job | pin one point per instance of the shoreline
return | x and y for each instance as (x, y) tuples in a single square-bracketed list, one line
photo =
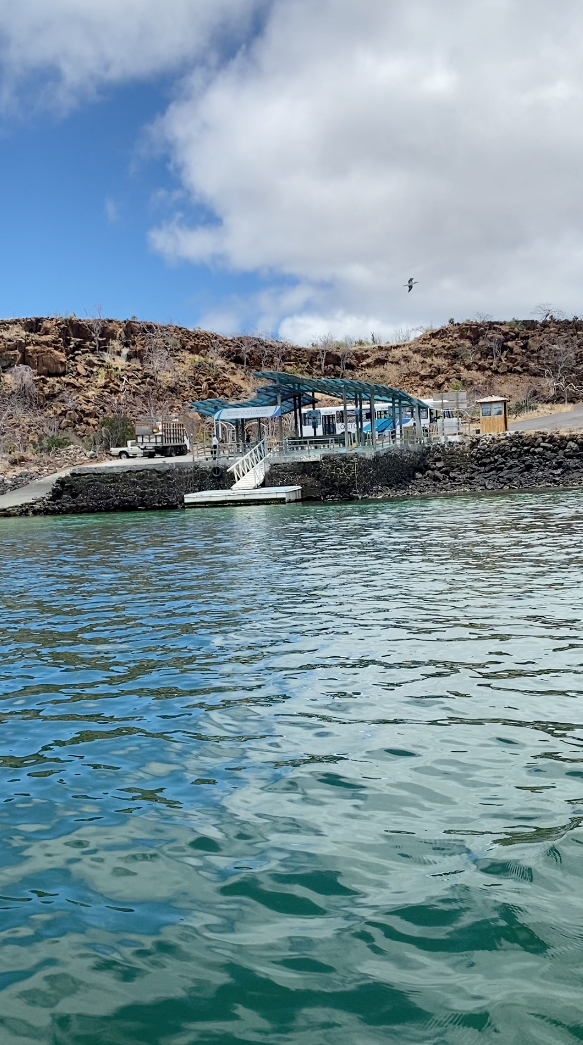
[(513, 463)]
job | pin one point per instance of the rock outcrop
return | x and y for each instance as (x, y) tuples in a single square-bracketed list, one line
[(78, 371)]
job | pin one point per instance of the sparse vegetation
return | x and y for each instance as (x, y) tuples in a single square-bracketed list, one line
[(116, 430), (60, 377)]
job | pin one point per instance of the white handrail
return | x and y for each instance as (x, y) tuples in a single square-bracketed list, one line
[(249, 461)]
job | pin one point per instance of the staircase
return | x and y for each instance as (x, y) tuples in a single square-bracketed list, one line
[(249, 471)]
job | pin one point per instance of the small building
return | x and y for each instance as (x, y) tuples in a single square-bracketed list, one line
[(493, 415)]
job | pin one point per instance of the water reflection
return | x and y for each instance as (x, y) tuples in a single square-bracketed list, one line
[(303, 774)]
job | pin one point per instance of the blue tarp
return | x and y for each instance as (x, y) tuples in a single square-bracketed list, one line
[(385, 424)]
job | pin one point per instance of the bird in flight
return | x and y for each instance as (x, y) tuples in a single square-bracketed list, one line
[(410, 284)]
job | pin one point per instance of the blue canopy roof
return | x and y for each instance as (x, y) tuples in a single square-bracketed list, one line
[(337, 388), (303, 389), (266, 396)]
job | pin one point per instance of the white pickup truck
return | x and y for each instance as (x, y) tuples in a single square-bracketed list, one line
[(131, 449)]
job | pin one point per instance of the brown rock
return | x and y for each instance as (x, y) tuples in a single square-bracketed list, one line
[(45, 360), (8, 357)]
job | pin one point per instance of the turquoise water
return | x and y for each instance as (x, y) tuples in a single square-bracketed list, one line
[(304, 774)]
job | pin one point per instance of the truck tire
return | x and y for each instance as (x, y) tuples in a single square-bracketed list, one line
[(124, 455)]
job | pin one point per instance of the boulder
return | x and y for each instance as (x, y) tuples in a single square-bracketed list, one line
[(45, 360), (9, 357)]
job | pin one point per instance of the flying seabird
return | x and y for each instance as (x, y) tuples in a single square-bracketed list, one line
[(410, 284)]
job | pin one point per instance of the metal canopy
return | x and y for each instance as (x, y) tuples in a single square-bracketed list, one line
[(336, 388), (264, 397)]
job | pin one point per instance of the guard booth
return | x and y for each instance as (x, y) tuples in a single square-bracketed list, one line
[(493, 415)]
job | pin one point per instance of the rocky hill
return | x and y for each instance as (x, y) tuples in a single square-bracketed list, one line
[(65, 375)]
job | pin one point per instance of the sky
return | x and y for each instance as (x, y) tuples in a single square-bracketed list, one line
[(284, 166)]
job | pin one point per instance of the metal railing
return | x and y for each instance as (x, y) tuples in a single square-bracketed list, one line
[(250, 461)]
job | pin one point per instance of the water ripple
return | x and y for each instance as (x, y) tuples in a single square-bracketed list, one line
[(304, 774)]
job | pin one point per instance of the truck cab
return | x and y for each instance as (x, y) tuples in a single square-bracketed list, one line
[(131, 449)]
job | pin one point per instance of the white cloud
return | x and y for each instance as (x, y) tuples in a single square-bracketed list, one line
[(111, 210), (345, 146), (77, 45), (354, 145)]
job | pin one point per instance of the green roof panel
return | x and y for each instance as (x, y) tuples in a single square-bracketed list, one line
[(336, 387)]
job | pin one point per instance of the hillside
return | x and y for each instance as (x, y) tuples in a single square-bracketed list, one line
[(65, 375)]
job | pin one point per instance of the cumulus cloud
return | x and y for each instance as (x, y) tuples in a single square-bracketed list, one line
[(354, 145), (78, 45), (337, 148)]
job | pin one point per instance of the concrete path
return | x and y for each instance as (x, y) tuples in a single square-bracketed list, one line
[(550, 423), (32, 491)]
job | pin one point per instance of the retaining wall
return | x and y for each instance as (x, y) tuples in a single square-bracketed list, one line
[(512, 462)]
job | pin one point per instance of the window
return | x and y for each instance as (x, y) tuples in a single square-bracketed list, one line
[(328, 424), (497, 409), (486, 409)]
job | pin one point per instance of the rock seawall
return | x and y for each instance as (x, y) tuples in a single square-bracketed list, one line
[(515, 461), (345, 477), (160, 485), (512, 462)]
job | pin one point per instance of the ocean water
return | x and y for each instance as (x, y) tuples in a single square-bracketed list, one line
[(303, 775)]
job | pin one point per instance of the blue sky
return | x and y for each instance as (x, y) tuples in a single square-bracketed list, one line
[(79, 194), (287, 165)]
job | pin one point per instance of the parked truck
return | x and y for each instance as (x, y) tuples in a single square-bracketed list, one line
[(165, 438), (131, 449)]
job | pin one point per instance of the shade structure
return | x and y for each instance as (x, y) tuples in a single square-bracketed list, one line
[(264, 397), (289, 393), (336, 388)]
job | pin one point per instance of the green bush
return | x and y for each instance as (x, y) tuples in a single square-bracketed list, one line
[(47, 443), (116, 430)]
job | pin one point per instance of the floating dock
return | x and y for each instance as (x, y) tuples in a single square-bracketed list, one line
[(263, 495)]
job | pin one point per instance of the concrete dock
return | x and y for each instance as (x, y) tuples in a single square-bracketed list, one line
[(263, 495)]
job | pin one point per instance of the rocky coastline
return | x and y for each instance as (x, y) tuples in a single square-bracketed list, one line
[(20, 468), (514, 462)]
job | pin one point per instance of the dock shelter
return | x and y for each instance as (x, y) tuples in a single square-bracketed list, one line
[(364, 395), (286, 393), (268, 402)]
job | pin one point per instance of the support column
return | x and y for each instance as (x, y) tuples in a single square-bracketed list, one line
[(345, 408), (280, 420), (373, 423), (394, 417), (418, 429), (401, 420)]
